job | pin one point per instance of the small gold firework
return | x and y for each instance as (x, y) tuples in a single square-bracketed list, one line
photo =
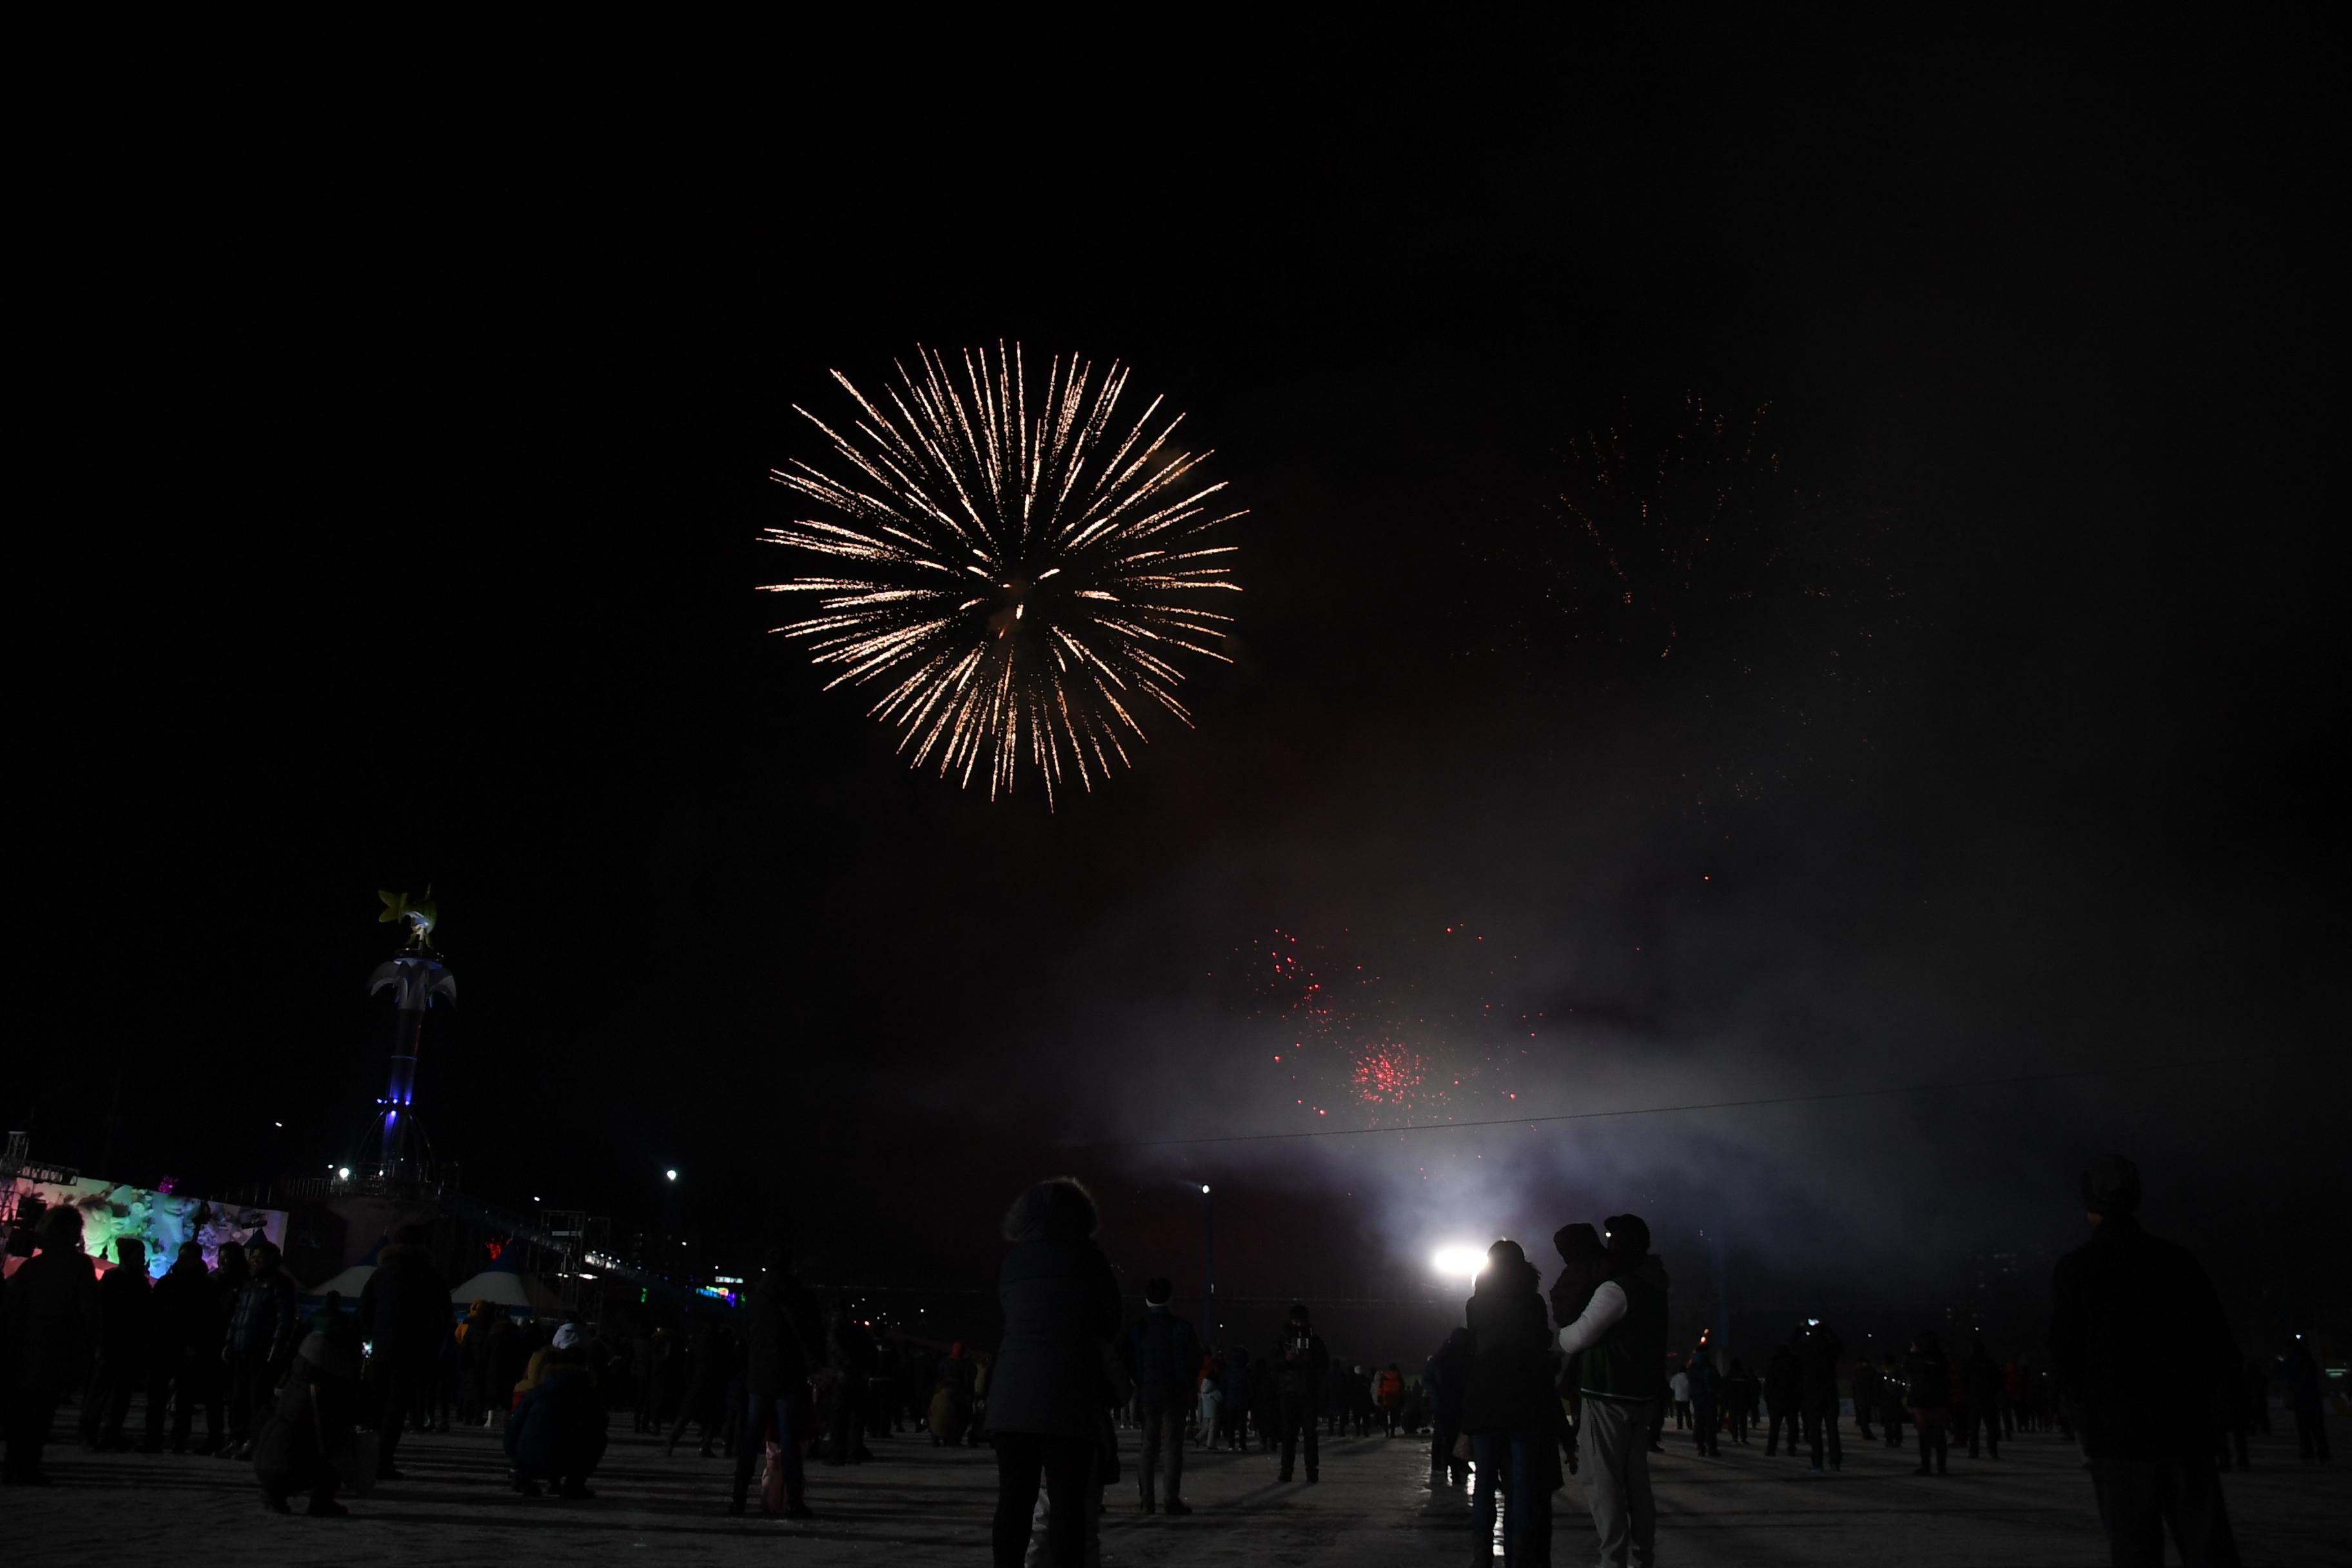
[(1021, 577)]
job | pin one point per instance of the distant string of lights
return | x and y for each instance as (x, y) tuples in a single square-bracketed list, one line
[(1825, 1095)]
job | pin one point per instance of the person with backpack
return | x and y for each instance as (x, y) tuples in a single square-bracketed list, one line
[(1301, 1363)]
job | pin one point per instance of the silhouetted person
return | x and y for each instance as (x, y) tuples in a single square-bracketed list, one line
[(1818, 1349), (1981, 1375), (1512, 1413), (707, 1373), (308, 1428), (1705, 1391), (2258, 1394), (1784, 1386), (1622, 1337), (1048, 1405), (1893, 1409), (264, 1332), (1447, 1379), (1928, 1390), (404, 1316), (1739, 1396), (2145, 1357), (1865, 1397), (49, 1327), (781, 1337), (555, 1435), (2306, 1388), (849, 1351), (1162, 1353), (1301, 1365), (185, 1367), (126, 1343)]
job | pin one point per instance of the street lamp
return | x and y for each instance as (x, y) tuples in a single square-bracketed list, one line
[(1208, 1268), (671, 1174)]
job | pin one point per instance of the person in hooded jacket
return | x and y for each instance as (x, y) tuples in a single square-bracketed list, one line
[(503, 1362), (556, 1434), (1302, 1366), (1928, 1390), (782, 1336), (1048, 1405), (1448, 1381), (1512, 1413), (404, 1316), (1621, 1335), (2145, 1355), (126, 1344), (1784, 1386), (264, 1332), (1160, 1352), (186, 1368), (49, 1324), (1237, 1398)]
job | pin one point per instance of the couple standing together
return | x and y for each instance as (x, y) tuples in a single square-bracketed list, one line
[(1611, 1304)]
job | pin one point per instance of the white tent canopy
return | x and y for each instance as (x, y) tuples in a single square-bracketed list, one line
[(504, 1288), (351, 1282)]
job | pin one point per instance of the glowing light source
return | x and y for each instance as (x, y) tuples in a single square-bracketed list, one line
[(1461, 1261), (671, 1174), (343, 1172)]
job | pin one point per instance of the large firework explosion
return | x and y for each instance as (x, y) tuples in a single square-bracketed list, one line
[(1020, 567)]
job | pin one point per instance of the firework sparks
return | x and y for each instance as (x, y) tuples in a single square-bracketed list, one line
[(1019, 570)]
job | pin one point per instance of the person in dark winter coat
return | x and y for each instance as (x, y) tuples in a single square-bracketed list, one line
[(707, 1373), (1301, 1368), (2305, 1399), (556, 1434), (782, 1337), (1235, 1412), (231, 1274), (264, 1332), (1707, 1391), (1740, 1393), (1161, 1353), (1865, 1397), (1928, 1390), (126, 1344), (849, 1351), (1048, 1403), (404, 1315), (1818, 1349), (308, 1428), (474, 1363), (1621, 1335), (1448, 1381), (1981, 1375), (1512, 1413), (49, 1325), (188, 1329), (2145, 1356), (502, 1364), (1784, 1392)]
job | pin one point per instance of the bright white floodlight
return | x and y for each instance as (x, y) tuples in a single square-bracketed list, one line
[(1459, 1262)]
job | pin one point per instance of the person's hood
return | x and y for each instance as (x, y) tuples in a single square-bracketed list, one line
[(1578, 1243), (1651, 1272), (401, 1255)]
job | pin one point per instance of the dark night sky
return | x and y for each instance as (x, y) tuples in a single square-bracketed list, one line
[(405, 402)]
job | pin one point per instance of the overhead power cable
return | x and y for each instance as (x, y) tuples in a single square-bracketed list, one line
[(2004, 1082)]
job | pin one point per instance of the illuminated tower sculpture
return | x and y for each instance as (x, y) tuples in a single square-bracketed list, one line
[(416, 975)]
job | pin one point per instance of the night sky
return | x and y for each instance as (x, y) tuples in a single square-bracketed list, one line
[(404, 407)]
